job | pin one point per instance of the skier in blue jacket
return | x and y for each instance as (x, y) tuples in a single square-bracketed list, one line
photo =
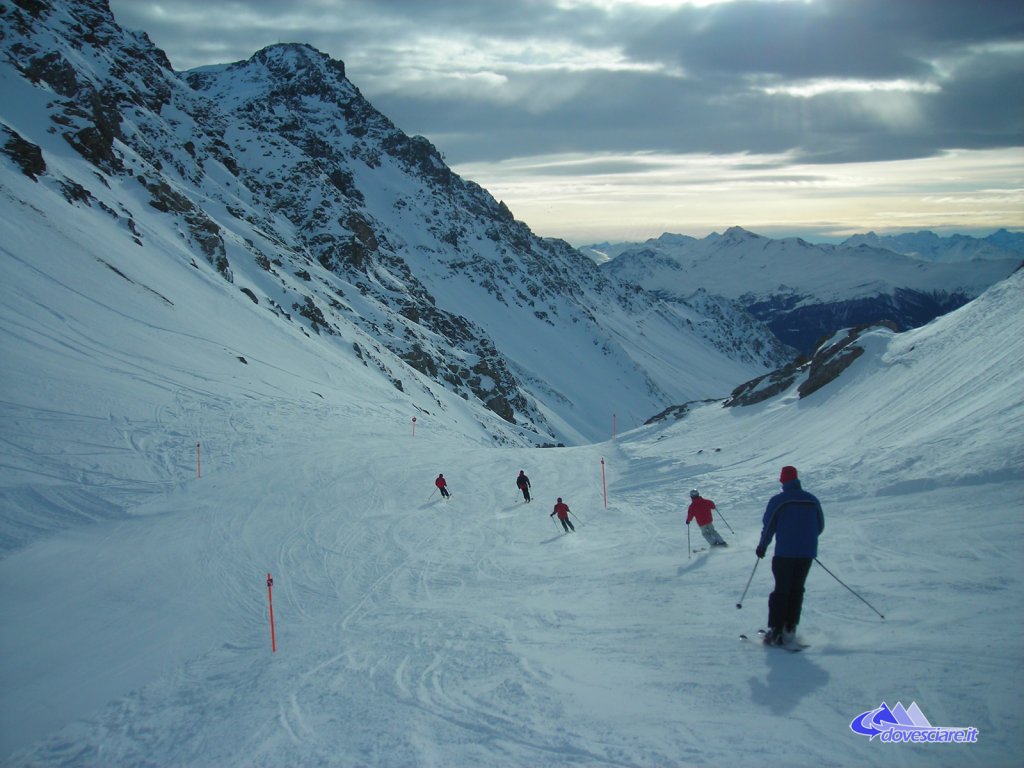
[(795, 519)]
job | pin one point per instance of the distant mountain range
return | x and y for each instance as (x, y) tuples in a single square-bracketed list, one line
[(925, 245), (929, 246), (804, 292)]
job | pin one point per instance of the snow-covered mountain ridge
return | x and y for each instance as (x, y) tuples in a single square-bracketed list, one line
[(276, 175), (923, 244), (1000, 245), (802, 291)]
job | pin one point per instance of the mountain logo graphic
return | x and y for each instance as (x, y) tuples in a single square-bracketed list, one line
[(895, 725)]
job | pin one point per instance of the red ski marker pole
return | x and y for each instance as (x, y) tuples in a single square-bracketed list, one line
[(604, 486), (270, 602)]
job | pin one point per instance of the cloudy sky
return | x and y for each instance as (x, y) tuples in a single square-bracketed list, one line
[(622, 119)]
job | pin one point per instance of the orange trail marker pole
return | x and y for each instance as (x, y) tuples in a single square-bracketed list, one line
[(604, 486), (270, 602)]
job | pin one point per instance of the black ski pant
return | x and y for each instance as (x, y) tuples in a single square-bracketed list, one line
[(785, 602), (566, 524), (444, 492), (526, 492)]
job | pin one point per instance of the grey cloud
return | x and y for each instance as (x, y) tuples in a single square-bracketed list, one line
[(983, 106), (780, 40), (831, 38), (597, 166), (728, 52)]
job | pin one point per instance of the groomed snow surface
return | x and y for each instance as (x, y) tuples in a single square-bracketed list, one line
[(413, 631)]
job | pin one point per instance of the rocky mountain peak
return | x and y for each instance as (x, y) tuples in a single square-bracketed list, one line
[(284, 71), (736, 234)]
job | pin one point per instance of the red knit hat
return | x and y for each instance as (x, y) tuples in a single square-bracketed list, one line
[(787, 474)]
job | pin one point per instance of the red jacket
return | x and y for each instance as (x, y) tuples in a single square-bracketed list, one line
[(700, 510), (440, 482), (562, 510)]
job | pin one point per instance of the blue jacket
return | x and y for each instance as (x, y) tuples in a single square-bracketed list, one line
[(795, 519)]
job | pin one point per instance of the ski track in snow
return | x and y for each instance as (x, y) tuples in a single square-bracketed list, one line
[(413, 630), (472, 631)]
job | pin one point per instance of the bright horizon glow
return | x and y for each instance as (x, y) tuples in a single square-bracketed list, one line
[(818, 87), (612, 4), (688, 194)]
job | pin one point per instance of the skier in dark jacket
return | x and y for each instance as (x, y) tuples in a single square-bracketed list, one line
[(523, 482), (562, 510), (795, 519), (442, 486)]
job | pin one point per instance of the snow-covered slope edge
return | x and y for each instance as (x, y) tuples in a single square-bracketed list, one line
[(926, 395), (150, 356)]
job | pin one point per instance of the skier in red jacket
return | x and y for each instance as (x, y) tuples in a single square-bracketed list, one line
[(442, 486), (700, 510), (562, 510)]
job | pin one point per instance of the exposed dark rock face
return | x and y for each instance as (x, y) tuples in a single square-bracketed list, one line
[(24, 153), (801, 326), (825, 366)]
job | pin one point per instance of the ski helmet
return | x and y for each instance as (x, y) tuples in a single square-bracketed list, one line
[(694, 493)]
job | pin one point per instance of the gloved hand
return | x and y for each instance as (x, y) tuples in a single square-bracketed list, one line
[(759, 552)]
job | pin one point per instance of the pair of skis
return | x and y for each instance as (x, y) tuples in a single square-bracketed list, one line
[(705, 549), (793, 647)]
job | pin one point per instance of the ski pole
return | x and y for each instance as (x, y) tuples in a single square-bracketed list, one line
[(869, 605), (431, 494), (581, 522), (740, 603), (725, 521), (689, 549)]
